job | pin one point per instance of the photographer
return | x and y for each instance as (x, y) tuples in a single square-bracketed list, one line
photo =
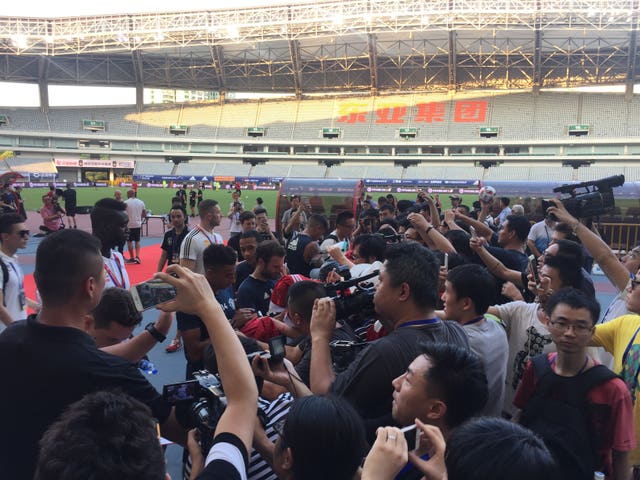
[(405, 299), (51, 214), (235, 209), (228, 457)]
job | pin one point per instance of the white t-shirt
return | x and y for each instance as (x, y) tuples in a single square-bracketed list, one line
[(194, 244), (14, 290), (115, 271), (135, 207), (527, 337), (488, 340)]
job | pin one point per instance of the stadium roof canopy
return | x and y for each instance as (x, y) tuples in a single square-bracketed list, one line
[(336, 46)]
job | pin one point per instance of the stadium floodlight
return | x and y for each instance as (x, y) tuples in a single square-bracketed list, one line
[(233, 31), (19, 41), (337, 19), (48, 39)]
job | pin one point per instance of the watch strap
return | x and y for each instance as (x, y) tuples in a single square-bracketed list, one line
[(155, 333)]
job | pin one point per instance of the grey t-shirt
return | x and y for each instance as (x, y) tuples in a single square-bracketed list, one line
[(488, 340)]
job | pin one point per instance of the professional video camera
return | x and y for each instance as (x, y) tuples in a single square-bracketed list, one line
[(359, 302), (596, 199), (199, 403)]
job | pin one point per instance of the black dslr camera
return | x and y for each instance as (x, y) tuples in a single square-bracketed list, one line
[(596, 198), (199, 403), (360, 302)]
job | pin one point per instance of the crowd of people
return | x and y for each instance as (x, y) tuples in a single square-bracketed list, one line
[(421, 340)]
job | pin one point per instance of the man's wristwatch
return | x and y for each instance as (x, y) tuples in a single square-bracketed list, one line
[(151, 328)]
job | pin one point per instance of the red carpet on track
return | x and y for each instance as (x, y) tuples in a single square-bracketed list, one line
[(137, 273)]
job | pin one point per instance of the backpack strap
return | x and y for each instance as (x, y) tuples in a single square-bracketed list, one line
[(547, 379), (5, 280)]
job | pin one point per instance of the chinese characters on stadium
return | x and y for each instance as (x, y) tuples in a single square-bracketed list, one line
[(432, 112)]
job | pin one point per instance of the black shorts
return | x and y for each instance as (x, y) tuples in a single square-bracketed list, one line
[(192, 204), (134, 234), (71, 211)]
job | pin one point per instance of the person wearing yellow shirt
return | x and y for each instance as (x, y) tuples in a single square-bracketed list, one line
[(621, 338)]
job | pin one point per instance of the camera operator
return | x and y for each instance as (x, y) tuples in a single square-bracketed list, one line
[(405, 299), (228, 456), (51, 214), (48, 362)]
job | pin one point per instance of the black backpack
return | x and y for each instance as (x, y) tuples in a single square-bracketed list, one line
[(559, 413)]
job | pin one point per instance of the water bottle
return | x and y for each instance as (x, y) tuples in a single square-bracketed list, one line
[(598, 476), (147, 367)]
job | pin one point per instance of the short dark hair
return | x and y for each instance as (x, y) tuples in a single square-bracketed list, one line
[(460, 241), (505, 201), (302, 295), (371, 246), (103, 435), (326, 437), (404, 205), (260, 211), (268, 249), (387, 207), (465, 208), (250, 234), (218, 255), (178, 206), (344, 215), (246, 215), (64, 260), (206, 206), (474, 282), (519, 224), (489, 448), (391, 221), (575, 299), (116, 305), (569, 271), (569, 249), (458, 377), (416, 265), (8, 220), (317, 220), (103, 211)]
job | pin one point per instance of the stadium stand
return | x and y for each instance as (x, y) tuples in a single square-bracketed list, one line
[(31, 165), (194, 167), (25, 119), (270, 169), (152, 167), (234, 121), (231, 169), (309, 170), (277, 116)]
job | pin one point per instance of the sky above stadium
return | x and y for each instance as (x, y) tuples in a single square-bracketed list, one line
[(47, 8)]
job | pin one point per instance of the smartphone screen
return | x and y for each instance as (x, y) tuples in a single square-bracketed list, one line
[(533, 266), (472, 230), (151, 293), (180, 392), (445, 261), (276, 347)]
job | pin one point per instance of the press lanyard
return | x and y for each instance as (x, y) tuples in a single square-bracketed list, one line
[(114, 279), (202, 230), (414, 323), (15, 270)]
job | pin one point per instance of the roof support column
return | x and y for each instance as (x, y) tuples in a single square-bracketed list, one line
[(453, 60), (632, 60), (373, 63), (43, 84), (296, 64), (138, 69)]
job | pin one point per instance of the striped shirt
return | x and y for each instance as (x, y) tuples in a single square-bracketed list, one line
[(194, 244)]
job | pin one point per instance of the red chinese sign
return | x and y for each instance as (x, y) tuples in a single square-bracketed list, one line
[(467, 111)]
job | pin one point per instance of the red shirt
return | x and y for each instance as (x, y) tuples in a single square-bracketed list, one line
[(614, 434)]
